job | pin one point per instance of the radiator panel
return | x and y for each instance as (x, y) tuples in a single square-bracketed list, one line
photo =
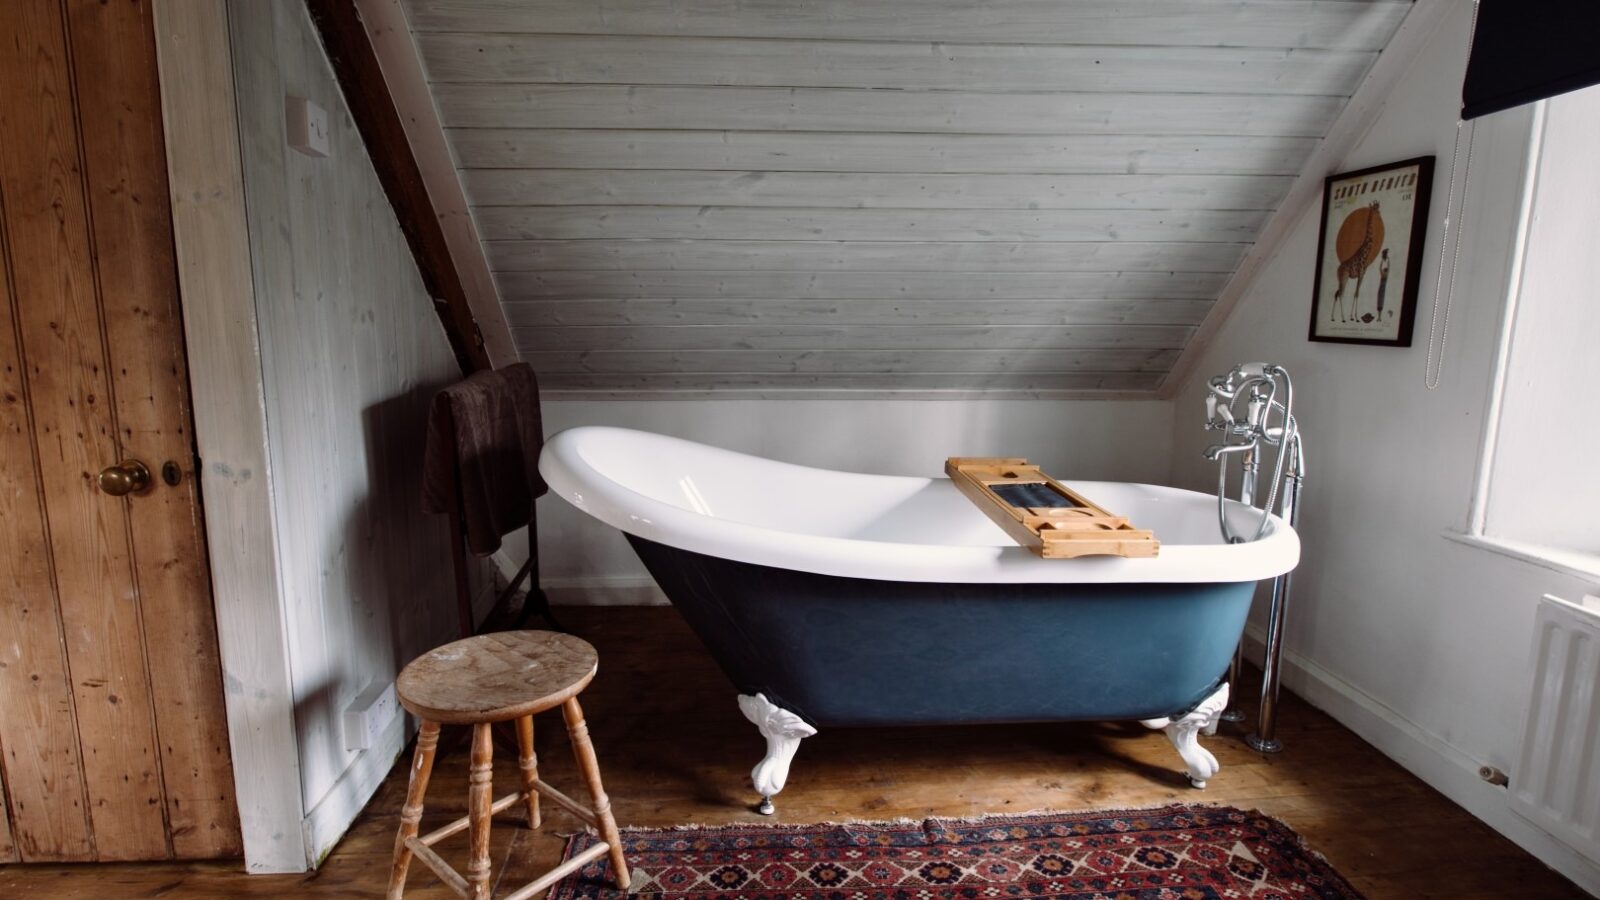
[(1556, 785)]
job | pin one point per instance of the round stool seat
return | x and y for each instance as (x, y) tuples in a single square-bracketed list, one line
[(496, 677)]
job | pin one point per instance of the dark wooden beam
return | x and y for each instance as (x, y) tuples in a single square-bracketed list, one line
[(367, 95)]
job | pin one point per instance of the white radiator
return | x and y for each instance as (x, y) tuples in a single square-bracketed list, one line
[(1556, 783)]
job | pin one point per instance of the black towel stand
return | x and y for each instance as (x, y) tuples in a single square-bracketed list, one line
[(534, 603)]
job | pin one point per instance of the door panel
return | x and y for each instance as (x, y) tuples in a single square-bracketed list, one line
[(126, 173), (64, 356), (95, 336), (38, 729), (8, 849)]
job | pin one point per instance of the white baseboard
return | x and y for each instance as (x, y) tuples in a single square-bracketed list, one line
[(505, 567), (588, 590), (485, 593), (328, 820), (604, 590), (1425, 755)]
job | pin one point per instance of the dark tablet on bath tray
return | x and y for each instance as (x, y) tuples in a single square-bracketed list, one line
[(1032, 495)]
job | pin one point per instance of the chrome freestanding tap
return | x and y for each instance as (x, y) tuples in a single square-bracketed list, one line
[(1253, 406)]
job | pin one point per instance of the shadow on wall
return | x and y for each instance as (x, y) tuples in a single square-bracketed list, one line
[(388, 590), (406, 585)]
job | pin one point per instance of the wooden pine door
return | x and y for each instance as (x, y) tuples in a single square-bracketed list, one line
[(112, 732)]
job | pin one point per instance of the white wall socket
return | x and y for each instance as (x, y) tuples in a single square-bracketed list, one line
[(369, 714), (307, 127)]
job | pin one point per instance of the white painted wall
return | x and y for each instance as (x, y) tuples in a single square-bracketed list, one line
[(584, 561), (1417, 642), (351, 355)]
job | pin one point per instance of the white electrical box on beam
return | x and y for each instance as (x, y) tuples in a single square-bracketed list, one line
[(369, 714), (307, 127)]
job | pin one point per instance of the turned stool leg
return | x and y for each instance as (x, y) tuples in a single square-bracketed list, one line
[(529, 764), (411, 813), (479, 799), (583, 749)]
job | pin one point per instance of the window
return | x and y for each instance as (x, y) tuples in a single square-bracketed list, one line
[(1542, 457)]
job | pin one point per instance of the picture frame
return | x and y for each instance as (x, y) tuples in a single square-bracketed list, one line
[(1369, 254)]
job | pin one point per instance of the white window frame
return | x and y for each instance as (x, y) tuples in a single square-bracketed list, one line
[(1567, 561)]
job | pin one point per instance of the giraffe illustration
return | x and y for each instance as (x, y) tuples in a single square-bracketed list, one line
[(1357, 245)]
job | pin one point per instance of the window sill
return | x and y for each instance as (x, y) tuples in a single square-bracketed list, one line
[(1559, 559)]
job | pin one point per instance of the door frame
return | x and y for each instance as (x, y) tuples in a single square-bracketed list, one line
[(206, 179)]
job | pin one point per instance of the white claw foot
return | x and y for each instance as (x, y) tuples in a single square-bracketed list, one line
[(1184, 733), (783, 731)]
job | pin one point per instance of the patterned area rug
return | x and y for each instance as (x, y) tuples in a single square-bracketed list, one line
[(1171, 853)]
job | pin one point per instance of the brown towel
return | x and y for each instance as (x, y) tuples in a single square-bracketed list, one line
[(482, 457)]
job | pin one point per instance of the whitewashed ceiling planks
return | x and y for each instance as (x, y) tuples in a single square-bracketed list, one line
[(910, 197)]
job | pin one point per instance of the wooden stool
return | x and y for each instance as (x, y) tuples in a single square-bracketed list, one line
[(478, 681)]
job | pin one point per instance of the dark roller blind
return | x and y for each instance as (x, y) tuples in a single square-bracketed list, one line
[(1527, 50)]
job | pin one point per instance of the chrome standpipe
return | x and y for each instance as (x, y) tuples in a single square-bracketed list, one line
[(1266, 420), (1265, 738), (1247, 495)]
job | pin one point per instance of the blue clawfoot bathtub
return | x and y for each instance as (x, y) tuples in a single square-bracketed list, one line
[(834, 599)]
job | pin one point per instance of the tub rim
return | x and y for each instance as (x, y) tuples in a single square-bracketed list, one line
[(576, 480)]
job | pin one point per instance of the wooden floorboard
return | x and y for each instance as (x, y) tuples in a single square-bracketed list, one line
[(674, 749)]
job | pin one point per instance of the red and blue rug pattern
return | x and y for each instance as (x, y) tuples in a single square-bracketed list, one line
[(1172, 853)]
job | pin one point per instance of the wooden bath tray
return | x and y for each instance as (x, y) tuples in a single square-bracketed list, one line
[(1044, 515)]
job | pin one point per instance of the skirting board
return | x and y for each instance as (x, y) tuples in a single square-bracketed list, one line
[(1423, 754), (592, 590), (328, 820), (486, 585), (604, 590)]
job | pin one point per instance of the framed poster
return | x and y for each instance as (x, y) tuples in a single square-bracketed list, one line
[(1369, 254)]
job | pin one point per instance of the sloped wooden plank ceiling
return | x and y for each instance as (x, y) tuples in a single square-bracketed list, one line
[(909, 197)]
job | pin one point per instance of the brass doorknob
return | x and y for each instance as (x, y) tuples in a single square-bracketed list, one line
[(127, 477)]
